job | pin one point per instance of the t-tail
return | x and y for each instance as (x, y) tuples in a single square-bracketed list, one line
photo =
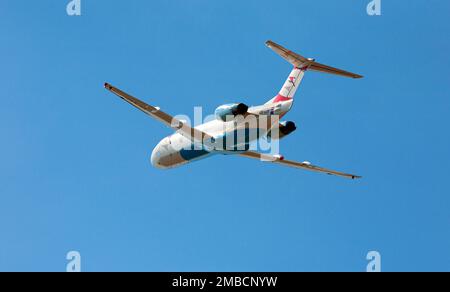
[(301, 65)]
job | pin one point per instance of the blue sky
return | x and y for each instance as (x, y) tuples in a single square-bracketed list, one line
[(75, 171)]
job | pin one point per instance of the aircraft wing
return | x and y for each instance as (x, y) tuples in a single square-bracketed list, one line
[(304, 165), (184, 129)]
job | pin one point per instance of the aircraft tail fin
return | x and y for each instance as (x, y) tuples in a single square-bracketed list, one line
[(289, 88)]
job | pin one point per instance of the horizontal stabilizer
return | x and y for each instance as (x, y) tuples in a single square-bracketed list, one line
[(307, 63)]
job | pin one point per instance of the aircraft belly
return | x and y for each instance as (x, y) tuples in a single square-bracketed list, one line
[(171, 160)]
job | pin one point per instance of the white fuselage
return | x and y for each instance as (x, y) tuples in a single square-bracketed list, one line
[(176, 149)]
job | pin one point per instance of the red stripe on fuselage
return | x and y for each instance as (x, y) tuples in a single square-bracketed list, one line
[(279, 98)]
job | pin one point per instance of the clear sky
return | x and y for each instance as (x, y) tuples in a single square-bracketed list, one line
[(74, 159)]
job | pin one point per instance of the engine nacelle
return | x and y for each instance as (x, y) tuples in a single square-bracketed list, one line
[(233, 109), (285, 128)]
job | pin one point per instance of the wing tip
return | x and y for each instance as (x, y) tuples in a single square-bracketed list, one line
[(107, 86)]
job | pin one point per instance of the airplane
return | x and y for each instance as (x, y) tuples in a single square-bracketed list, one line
[(189, 144)]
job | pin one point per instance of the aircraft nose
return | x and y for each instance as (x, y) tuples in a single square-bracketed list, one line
[(155, 156), (161, 155)]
